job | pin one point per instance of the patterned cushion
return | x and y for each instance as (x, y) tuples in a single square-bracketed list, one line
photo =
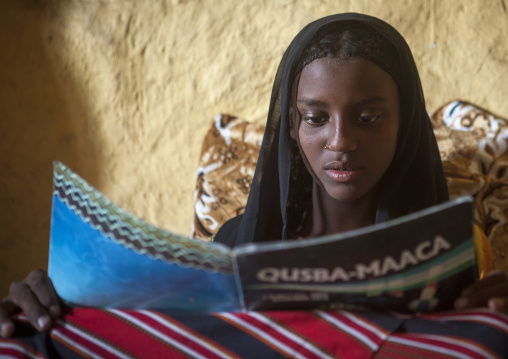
[(474, 149), (226, 167)]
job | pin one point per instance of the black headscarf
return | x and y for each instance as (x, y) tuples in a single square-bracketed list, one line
[(414, 181)]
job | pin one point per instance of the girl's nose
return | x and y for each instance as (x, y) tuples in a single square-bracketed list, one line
[(342, 137)]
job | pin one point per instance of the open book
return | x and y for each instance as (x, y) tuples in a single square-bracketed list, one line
[(103, 256)]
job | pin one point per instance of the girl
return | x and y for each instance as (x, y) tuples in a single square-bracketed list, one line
[(348, 143)]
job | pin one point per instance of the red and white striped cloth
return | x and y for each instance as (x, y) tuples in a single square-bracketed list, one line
[(115, 333)]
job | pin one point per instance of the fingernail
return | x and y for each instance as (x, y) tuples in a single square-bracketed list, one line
[(43, 321), (494, 304), (7, 329)]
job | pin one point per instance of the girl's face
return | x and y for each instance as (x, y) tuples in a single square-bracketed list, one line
[(349, 124)]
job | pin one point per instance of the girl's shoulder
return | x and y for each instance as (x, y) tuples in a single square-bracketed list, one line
[(228, 232)]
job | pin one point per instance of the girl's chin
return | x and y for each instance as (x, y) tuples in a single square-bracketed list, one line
[(345, 196), (349, 193)]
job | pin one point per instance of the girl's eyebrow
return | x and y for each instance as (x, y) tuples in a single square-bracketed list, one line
[(312, 102), (371, 100)]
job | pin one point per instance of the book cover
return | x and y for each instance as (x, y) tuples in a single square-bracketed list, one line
[(416, 263)]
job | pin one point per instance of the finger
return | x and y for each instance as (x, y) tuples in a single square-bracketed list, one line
[(499, 305), (43, 289), (6, 324), (21, 295), (489, 280), (480, 298)]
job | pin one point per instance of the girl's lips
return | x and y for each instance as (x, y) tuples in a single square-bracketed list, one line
[(342, 171), (343, 175)]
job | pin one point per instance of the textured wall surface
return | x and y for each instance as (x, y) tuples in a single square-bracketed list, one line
[(123, 91)]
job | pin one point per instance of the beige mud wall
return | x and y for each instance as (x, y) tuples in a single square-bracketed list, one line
[(123, 91)]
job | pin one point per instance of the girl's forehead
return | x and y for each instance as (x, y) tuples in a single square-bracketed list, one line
[(329, 74)]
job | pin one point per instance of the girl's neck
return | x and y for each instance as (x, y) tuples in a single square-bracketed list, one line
[(330, 216)]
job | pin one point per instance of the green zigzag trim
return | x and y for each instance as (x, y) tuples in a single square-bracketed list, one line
[(152, 241)]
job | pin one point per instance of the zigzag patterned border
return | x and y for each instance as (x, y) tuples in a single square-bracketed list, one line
[(131, 232)]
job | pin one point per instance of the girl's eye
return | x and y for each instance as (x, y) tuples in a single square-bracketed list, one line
[(315, 121), (368, 120)]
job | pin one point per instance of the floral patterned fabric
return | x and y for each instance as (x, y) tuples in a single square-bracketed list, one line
[(473, 144), (474, 148), (226, 168)]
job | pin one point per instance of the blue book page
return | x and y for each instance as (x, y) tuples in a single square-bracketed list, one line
[(102, 256)]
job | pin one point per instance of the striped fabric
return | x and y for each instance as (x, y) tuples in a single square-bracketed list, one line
[(114, 333)]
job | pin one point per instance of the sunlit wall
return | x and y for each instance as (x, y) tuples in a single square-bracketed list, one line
[(123, 91)]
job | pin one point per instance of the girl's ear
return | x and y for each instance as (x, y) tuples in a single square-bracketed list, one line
[(292, 119)]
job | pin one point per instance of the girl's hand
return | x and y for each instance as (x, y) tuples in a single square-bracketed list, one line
[(490, 291), (36, 297)]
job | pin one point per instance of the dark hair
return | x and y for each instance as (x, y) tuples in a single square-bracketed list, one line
[(353, 39)]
